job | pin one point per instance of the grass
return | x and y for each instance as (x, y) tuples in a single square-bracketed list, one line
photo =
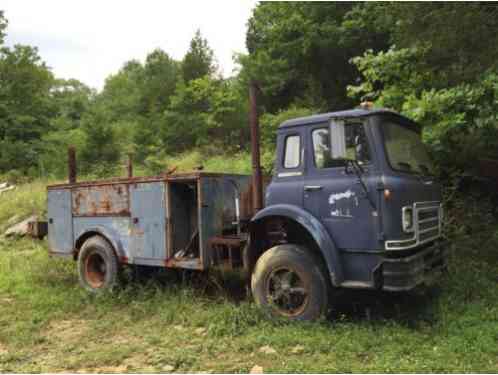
[(203, 323), (217, 162)]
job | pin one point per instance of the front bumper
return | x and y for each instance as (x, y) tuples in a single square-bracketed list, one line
[(405, 273)]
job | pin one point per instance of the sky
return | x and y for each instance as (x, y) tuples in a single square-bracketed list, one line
[(91, 39)]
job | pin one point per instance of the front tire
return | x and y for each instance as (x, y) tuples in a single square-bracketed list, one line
[(98, 265), (288, 281)]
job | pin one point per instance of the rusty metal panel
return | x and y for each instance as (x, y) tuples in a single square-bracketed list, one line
[(60, 226), (218, 201), (102, 200), (148, 223), (237, 186)]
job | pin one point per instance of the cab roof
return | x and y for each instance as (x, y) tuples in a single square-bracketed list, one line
[(351, 113)]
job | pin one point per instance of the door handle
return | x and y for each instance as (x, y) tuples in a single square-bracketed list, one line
[(312, 188)]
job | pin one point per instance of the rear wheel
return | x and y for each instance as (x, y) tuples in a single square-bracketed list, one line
[(97, 265), (289, 282)]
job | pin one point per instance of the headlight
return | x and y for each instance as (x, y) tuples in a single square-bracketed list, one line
[(407, 214)]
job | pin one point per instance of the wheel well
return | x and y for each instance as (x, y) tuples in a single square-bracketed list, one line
[(85, 236), (276, 230)]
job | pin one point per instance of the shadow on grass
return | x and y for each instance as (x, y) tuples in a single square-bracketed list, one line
[(408, 308)]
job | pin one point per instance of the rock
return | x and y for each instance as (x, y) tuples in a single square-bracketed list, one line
[(20, 229), (267, 350), (6, 187), (168, 368), (256, 370), (297, 349)]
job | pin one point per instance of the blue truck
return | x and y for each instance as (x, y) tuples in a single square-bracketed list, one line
[(352, 203)]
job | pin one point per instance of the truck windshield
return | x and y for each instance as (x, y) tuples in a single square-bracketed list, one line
[(405, 150)]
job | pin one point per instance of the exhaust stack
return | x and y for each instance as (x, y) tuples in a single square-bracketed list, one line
[(257, 184)]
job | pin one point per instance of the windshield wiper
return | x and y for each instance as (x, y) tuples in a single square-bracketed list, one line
[(358, 170)]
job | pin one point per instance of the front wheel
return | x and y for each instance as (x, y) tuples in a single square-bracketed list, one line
[(289, 282), (98, 265)]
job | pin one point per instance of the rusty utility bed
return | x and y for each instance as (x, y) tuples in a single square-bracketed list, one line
[(173, 221)]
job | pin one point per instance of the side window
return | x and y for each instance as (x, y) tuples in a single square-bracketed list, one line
[(356, 146), (292, 151), (321, 148)]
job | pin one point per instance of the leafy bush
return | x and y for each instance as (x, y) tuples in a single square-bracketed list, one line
[(460, 122)]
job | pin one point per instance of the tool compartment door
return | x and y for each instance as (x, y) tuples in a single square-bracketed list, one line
[(210, 214), (148, 223), (60, 221)]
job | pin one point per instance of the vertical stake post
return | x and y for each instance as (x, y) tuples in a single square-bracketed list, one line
[(71, 164), (129, 165)]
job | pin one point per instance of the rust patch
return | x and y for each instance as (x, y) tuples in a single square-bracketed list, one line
[(101, 200)]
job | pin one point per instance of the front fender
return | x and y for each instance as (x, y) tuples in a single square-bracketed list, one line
[(317, 231), (109, 234)]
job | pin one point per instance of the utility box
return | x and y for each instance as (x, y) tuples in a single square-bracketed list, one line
[(158, 221)]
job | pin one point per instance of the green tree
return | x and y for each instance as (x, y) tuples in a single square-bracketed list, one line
[(300, 51), (160, 76), (206, 111), (199, 60), (459, 39), (123, 92), (25, 106), (100, 150), (135, 99), (72, 99), (436, 75), (3, 26)]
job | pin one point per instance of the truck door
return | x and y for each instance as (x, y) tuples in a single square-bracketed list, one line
[(334, 194), (148, 223)]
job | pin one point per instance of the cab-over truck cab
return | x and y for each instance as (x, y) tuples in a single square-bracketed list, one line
[(354, 194)]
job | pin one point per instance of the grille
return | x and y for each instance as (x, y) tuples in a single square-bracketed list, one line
[(427, 226)]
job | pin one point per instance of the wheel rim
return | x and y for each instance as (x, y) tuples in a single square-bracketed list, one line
[(286, 292), (95, 270)]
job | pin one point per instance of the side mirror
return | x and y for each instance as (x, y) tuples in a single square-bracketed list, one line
[(337, 139)]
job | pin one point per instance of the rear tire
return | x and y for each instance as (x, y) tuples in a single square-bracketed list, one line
[(288, 281), (98, 266)]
